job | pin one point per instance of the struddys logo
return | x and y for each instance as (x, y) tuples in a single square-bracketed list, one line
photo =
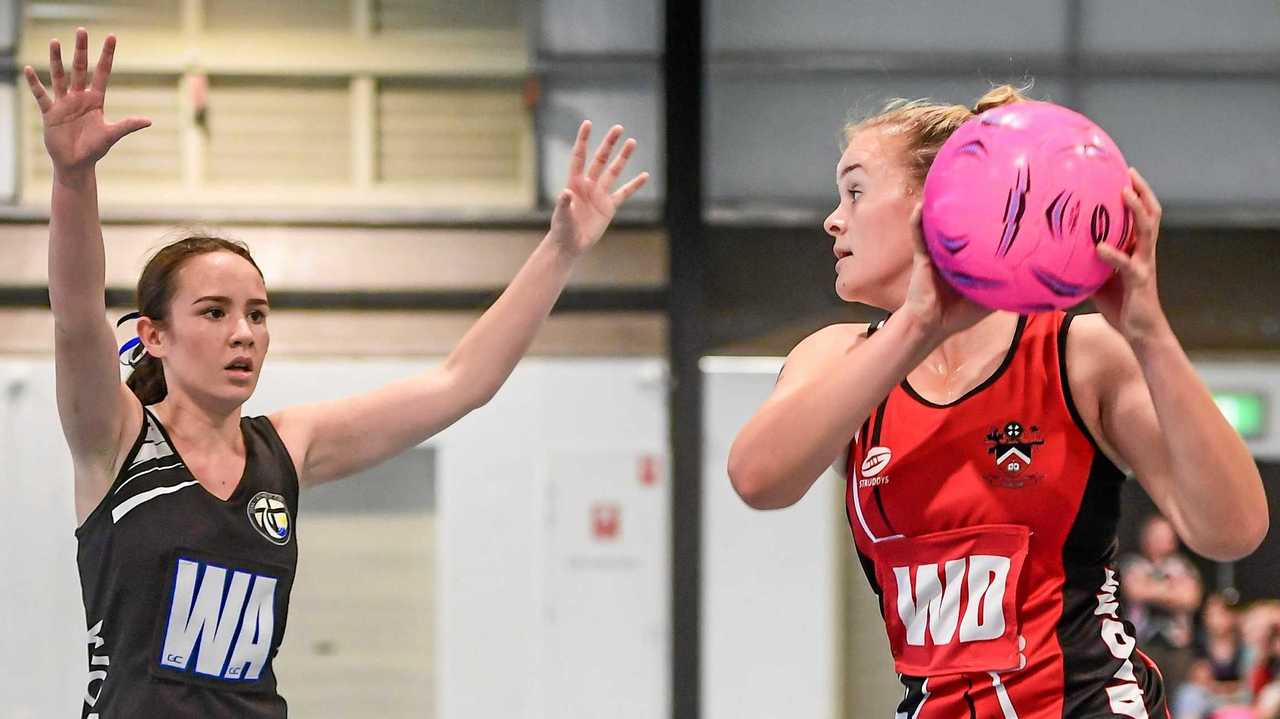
[(873, 467), (1013, 448)]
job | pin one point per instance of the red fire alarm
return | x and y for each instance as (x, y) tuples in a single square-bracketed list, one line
[(606, 521), (648, 470)]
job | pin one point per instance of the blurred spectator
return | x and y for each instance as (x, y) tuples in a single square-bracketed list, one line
[(1255, 628), (1260, 649), (1266, 671), (1215, 680), (1162, 589)]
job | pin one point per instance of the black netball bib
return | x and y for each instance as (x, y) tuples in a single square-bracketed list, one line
[(187, 595)]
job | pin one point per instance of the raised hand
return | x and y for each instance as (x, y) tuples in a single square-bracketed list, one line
[(1130, 300), (586, 205), (76, 133)]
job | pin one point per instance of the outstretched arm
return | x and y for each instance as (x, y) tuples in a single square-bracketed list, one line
[(331, 440), (93, 405)]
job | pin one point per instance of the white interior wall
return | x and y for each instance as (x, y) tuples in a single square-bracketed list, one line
[(43, 656), (523, 584), (771, 584)]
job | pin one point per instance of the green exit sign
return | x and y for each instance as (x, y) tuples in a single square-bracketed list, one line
[(1246, 411)]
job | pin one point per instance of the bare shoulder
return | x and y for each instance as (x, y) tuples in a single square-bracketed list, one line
[(1094, 327), (826, 343), (295, 432), (1101, 369), (1096, 353), (814, 354), (286, 423)]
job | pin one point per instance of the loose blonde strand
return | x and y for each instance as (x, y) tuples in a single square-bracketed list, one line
[(926, 125)]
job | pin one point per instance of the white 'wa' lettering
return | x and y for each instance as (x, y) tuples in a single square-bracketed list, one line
[(225, 624)]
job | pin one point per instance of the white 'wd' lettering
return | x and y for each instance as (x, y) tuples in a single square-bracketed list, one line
[(207, 611), (937, 608), (1126, 699)]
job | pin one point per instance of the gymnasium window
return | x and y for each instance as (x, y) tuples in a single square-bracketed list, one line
[(351, 103)]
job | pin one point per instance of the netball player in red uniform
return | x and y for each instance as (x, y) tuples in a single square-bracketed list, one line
[(186, 509), (983, 451)]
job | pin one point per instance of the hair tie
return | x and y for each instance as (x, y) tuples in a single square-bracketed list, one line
[(134, 346)]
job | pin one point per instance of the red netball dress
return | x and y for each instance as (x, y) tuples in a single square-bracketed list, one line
[(987, 528)]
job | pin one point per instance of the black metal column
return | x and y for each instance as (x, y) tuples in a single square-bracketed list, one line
[(683, 81), (1073, 46)]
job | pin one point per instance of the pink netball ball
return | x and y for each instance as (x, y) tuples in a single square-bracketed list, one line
[(1017, 199)]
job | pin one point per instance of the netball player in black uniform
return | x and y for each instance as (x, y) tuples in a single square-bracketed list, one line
[(187, 510)]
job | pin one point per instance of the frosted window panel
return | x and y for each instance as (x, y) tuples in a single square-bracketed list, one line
[(8, 142), (1183, 26), (392, 16), (267, 130), (60, 18), (601, 26), (634, 103), (288, 15), (1197, 142), (777, 141), (976, 25), (434, 132)]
